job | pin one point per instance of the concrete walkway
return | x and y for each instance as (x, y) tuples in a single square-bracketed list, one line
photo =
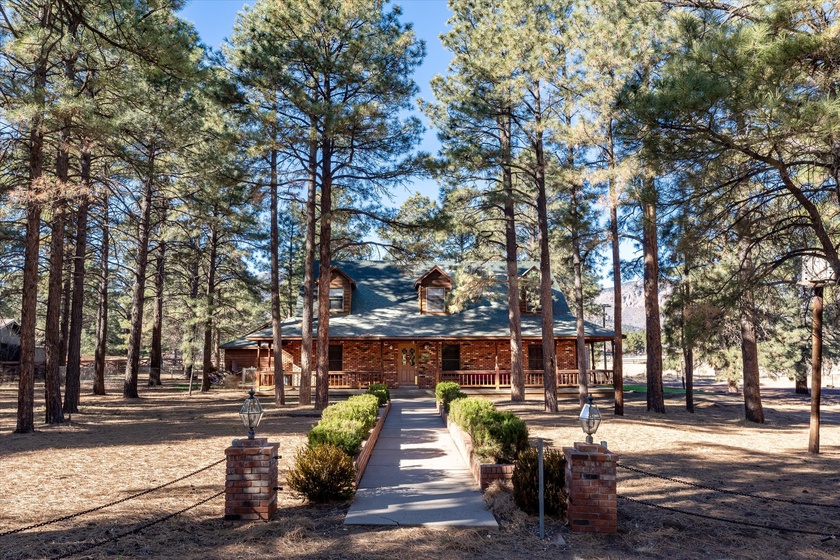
[(416, 475)]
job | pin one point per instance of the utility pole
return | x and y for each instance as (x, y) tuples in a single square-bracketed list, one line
[(604, 307)]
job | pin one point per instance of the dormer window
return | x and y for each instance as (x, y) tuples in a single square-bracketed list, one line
[(336, 300), (532, 305), (432, 288), (435, 300), (529, 295)]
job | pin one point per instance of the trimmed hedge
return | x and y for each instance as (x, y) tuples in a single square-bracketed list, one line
[(346, 424), (502, 436), (361, 408), (347, 435), (470, 412), (497, 436), (446, 392), (381, 392)]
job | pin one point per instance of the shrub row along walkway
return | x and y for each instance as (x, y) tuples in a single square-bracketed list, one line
[(416, 475)]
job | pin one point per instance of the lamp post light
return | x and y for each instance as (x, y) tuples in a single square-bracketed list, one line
[(590, 419), (251, 413)]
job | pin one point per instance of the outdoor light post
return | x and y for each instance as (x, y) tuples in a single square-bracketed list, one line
[(590, 419), (251, 413), (590, 479), (251, 478)]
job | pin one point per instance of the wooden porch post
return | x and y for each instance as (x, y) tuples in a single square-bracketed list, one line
[(257, 370), (439, 359), (498, 381)]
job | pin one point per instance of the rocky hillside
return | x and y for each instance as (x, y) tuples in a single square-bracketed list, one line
[(632, 308)]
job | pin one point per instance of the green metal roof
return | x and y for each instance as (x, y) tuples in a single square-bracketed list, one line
[(385, 304)]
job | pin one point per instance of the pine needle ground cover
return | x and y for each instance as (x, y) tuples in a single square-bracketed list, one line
[(117, 448)]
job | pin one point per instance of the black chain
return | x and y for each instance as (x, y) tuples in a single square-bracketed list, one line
[(733, 492), (121, 500), (828, 536), (136, 530)]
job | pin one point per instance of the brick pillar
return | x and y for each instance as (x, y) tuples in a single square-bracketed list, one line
[(251, 482), (590, 485)]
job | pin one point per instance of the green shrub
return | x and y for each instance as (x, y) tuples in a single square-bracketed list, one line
[(380, 391), (470, 412), (323, 473), (359, 408), (526, 481), (502, 437), (446, 392), (347, 435), (497, 436)]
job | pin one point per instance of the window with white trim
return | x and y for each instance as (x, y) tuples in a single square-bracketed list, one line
[(337, 299), (435, 300)]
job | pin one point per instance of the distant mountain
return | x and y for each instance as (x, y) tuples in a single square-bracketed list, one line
[(632, 305)]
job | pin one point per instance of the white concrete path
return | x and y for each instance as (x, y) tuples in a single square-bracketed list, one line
[(416, 475)]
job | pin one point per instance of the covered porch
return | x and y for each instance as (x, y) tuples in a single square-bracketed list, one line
[(478, 364)]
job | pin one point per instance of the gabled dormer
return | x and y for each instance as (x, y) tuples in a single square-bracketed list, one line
[(341, 291), (432, 289), (529, 292)]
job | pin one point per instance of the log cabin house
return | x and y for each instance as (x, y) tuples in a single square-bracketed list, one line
[(399, 326)]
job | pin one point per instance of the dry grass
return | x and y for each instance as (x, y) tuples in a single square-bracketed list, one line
[(116, 448)]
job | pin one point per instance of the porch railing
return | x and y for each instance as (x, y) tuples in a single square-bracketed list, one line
[(337, 379), (465, 378), (533, 378)]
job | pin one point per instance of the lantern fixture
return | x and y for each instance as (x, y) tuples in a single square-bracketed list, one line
[(590, 419), (251, 413)]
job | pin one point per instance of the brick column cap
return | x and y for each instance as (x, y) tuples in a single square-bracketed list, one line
[(256, 442), (590, 451)]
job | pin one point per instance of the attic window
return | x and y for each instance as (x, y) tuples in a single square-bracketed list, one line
[(337, 299), (532, 305), (435, 300)]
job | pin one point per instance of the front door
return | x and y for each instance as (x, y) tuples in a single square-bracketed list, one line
[(406, 359)]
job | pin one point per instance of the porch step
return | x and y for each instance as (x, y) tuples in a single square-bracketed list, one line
[(411, 393)]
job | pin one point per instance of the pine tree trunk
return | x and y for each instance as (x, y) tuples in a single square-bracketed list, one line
[(102, 314), (189, 351), (546, 280), (655, 390), (322, 384), (517, 373), (276, 318), (156, 349), (55, 290), (618, 343), (72, 386), (305, 394), (687, 347), (801, 383), (753, 410), (132, 367), (207, 349), (816, 370), (29, 305), (580, 343), (66, 291)]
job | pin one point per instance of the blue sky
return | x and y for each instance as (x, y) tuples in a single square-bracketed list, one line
[(214, 21)]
